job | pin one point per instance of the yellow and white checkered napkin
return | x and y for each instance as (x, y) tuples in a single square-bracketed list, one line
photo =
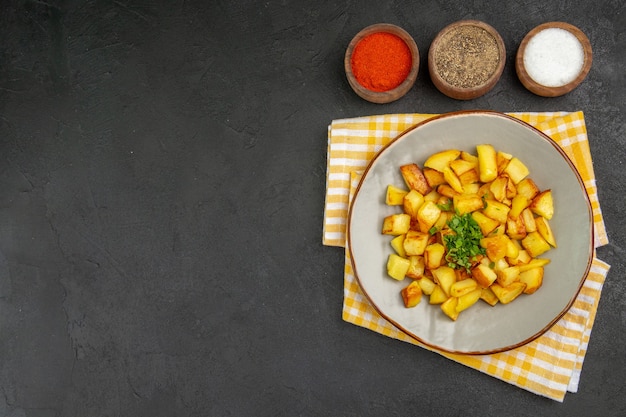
[(551, 364)]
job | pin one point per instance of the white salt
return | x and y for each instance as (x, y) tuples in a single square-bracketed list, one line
[(554, 57)]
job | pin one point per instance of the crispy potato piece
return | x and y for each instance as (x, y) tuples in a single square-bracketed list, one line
[(486, 224), (395, 195), (444, 276), (521, 259), (427, 285), (461, 166), (496, 247), (433, 177), (414, 178), (507, 294), (469, 177), (447, 191), (528, 188), (544, 229), (467, 203), (498, 188), (396, 224), (542, 205), (415, 242), (449, 308), (534, 263), (466, 156), (533, 278), (528, 218), (467, 300), (397, 243), (397, 266), (487, 295), (416, 267), (487, 162), (518, 204), (441, 160), (452, 179), (427, 215), (412, 202), (433, 255), (411, 294), (502, 159), (438, 296), (484, 275), (516, 170), (515, 228), (507, 276), (462, 287), (496, 210), (535, 244)]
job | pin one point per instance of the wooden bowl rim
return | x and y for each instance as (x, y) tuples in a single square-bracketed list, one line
[(390, 95), (471, 92), (543, 90)]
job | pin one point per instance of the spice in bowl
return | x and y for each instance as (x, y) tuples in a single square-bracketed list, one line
[(553, 59), (466, 59), (381, 63)]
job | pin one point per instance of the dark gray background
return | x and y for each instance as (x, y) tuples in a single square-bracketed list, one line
[(162, 181)]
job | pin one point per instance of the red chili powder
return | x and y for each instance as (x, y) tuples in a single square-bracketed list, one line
[(381, 61)]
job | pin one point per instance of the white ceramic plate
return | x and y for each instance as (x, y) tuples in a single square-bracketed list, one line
[(481, 329)]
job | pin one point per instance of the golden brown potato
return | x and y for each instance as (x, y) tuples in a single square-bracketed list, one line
[(542, 205), (496, 247), (397, 266), (487, 295), (415, 242), (412, 202), (452, 179), (533, 278), (496, 210), (444, 277), (535, 244), (467, 300), (462, 287), (441, 160), (484, 275), (396, 224), (397, 243), (395, 196), (507, 294), (414, 178), (416, 267), (438, 296), (486, 224), (449, 308), (508, 275), (433, 255), (528, 188), (487, 162), (544, 229), (411, 294), (427, 215), (427, 285), (516, 170), (433, 177), (467, 203)]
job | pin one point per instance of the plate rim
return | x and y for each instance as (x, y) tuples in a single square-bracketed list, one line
[(588, 205)]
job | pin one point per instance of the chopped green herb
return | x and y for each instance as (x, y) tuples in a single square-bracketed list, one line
[(445, 207), (464, 245)]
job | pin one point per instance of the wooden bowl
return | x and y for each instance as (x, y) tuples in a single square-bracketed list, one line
[(382, 97), (466, 59), (548, 91)]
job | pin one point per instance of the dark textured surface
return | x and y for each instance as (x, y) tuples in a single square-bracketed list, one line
[(162, 181)]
